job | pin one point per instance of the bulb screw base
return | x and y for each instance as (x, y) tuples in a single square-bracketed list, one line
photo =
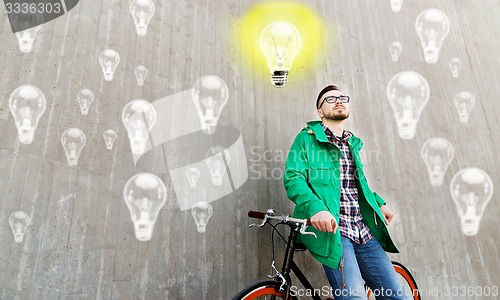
[(279, 78)]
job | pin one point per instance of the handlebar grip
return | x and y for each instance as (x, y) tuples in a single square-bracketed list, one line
[(256, 214)]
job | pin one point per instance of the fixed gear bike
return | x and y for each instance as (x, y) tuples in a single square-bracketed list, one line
[(279, 285)]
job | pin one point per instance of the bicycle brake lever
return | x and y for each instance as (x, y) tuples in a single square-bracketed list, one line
[(264, 221), (304, 232)]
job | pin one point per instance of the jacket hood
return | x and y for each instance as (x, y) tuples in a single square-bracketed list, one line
[(317, 129)]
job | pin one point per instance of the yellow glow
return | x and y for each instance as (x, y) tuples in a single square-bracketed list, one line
[(310, 26)]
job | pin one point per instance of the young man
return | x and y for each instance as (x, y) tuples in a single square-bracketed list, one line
[(324, 177)]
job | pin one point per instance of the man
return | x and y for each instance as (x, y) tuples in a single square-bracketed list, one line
[(324, 177)]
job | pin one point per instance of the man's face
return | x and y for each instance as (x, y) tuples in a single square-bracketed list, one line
[(333, 111)]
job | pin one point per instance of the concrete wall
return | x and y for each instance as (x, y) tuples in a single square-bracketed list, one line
[(81, 243)]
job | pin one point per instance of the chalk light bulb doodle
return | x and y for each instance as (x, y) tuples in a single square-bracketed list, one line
[(141, 72), (464, 102), (471, 190), (280, 42), (19, 222), (73, 140), (455, 66), (110, 137), (432, 27), (26, 38), (217, 160), (395, 48), (193, 174), (27, 104), (437, 154), (408, 92), (139, 117), (85, 98), (396, 5), (201, 211), (142, 11), (145, 194), (210, 94), (109, 60)]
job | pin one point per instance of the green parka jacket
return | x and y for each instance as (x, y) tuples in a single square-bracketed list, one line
[(312, 182)]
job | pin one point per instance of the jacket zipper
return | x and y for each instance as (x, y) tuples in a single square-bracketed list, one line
[(375, 218)]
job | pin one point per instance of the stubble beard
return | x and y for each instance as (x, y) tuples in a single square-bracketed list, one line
[(336, 117)]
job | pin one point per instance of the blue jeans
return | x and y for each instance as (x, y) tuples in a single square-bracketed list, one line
[(364, 263)]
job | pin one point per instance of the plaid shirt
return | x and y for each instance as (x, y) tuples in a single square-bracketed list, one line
[(351, 224)]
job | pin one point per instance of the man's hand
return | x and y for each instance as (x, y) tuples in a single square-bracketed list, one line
[(387, 213), (324, 221)]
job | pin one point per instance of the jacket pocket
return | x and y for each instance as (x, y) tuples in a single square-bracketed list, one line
[(323, 176), (318, 245)]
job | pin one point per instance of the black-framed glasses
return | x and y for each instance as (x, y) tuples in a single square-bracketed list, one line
[(334, 99)]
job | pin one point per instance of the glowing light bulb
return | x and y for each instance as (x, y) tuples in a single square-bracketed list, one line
[(109, 60), (202, 211), (464, 102), (145, 194), (210, 94), (455, 66), (27, 104), (141, 72), (408, 92), (217, 159), (73, 140), (85, 98), (280, 41), (26, 38), (110, 137), (142, 11), (395, 48), (19, 221), (432, 27), (139, 117), (193, 174), (437, 154), (471, 189), (396, 5)]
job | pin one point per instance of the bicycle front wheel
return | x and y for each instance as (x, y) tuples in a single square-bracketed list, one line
[(266, 289)]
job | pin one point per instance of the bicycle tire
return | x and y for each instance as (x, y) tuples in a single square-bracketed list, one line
[(411, 284), (266, 289)]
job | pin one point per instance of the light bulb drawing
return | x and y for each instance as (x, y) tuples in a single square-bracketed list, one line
[(209, 94), (432, 27), (464, 102), (110, 137), (145, 194), (396, 5), (73, 140), (27, 104), (85, 97), (26, 38), (19, 222), (139, 117), (142, 11), (471, 190), (437, 154), (408, 93), (109, 60), (193, 174), (280, 42), (201, 211), (217, 160), (455, 66), (141, 72), (395, 48)]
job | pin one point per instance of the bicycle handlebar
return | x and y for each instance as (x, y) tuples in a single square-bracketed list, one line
[(271, 215)]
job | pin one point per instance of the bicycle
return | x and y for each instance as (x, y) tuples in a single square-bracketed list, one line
[(279, 286)]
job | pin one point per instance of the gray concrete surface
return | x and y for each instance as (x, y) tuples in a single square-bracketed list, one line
[(81, 243)]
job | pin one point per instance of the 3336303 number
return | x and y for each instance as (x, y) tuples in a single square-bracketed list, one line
[(33, 8)]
